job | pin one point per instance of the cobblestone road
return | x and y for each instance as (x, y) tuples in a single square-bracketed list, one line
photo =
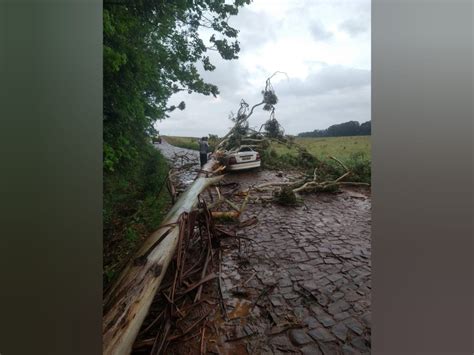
[(316, 262), (301, 281)]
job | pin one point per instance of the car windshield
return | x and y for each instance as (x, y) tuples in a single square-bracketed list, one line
[(245, 149)]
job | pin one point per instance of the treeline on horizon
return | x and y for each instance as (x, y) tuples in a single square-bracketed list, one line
[(351, 128)]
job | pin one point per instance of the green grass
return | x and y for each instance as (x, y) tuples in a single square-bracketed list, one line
[(188, 142), (135, 203), (183, 142), (322, 148), (341, 147), (354, 152)]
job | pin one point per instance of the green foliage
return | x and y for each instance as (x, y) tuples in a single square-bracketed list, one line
[(213, 141), (135, 203), (273, 129), (270, 99), (327, 146), (356, 157), (131, 235), (351, 128), (110, 158), (306, 160), (286, 197), (272, 152), (125, 193), (151, 51), (360, 166)]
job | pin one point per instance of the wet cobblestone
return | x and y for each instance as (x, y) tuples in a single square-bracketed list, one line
[(323, 250), (315, 258)]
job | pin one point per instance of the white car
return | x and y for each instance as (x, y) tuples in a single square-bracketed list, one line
[(244, 158)]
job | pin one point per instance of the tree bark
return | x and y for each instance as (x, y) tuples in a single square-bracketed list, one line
[(128, 301)]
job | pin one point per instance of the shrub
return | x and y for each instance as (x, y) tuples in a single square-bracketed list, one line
[(285, 196), (135, 202), (360, 166), (327, 169)]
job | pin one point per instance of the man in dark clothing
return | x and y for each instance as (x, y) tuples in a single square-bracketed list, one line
[(203, 150)]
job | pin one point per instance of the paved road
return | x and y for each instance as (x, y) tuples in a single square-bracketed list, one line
[(309, 269), (318, 258), (179, 157)]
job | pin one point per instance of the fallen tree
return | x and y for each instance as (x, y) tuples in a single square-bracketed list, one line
[(241, 133), (127, 302)]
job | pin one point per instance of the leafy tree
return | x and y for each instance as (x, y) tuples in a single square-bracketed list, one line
[(366, 128), (344, 129), (151, 51), (351, 128)]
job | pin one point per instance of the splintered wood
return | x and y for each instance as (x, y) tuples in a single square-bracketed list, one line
[(188, 240), (128, 301)]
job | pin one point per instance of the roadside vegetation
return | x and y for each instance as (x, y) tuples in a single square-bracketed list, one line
[(341, 147), (187, 228), (134, 206), (354, 152), (151, 50), (183, 142)]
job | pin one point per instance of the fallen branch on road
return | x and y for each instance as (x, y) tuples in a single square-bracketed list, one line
[(128, 301)]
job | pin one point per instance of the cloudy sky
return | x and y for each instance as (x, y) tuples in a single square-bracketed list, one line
[(322, 46)]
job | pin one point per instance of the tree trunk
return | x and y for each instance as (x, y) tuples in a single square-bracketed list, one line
[(129, 300)]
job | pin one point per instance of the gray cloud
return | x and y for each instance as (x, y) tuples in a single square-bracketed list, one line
[(302, 106), (330, 93), (329, 78), (319, 32), (255, 29), (300, 114), (359, 20), (354, 27), (335, 94)]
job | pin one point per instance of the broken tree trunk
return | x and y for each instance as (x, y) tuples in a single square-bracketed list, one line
[(129, 300)]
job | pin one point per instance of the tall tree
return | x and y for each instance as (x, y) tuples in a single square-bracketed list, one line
[(151, 51), (366, 128), (351, 128)]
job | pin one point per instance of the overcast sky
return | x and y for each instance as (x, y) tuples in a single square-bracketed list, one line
[(323, 46)]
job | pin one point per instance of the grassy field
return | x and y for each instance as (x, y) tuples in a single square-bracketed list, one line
[(354, 152), (322, 148), (340, 147), (183, 142)]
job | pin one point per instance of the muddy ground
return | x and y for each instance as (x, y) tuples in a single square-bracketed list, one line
[(296, 282)]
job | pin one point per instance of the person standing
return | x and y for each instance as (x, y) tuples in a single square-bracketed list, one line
[(203, 150)]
